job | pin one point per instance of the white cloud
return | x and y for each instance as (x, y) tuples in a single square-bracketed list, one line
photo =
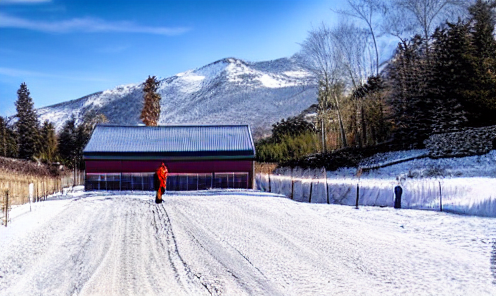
[(86, 25)]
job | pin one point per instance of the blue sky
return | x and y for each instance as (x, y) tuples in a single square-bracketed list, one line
[(64, 50)]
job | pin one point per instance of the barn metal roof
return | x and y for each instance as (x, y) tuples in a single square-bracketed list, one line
[(152, 142)]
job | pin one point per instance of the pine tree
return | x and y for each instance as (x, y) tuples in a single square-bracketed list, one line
[(372, 95), (27, 124), (8, 144), (412, 108), (481, 95), (67, 146), (451, 70), (151, 107), (83, 134), (49, 142)]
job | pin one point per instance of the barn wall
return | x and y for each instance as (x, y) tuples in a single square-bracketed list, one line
[(110, 166), (210, 166)]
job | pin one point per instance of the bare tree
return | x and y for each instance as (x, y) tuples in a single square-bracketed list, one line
[(368, 11), (321, 56), (427, 14), (353, 53), (357, 60), (395, 23)]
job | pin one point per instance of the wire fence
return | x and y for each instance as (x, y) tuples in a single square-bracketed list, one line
[(17, 189), (469, 195)]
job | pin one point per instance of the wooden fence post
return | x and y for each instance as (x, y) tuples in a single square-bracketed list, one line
[(292, 188), (270, 188), (29, 197), (311, 187), (440, 198), (326, 187), (358, 195), (6, 207)]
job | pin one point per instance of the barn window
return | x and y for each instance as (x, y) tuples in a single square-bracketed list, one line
[(240, 180), (175, 182), (231, 180), (182, 182), (103, 181), (137, 181)]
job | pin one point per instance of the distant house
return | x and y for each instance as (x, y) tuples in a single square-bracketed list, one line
[(198, 157)]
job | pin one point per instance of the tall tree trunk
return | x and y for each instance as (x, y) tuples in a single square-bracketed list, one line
[(358, 125), (363, 124), (340, 119), (323, 136)]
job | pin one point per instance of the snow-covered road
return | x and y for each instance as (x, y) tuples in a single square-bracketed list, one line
[(236, 243)]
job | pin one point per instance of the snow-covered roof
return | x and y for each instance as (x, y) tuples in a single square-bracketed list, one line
[(170, 140)]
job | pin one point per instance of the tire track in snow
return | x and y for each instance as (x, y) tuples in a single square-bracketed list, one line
[(183, 274), (237, 274), (139, 263), (65, 246)]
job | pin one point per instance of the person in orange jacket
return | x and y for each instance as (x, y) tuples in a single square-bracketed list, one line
[(162, 178)]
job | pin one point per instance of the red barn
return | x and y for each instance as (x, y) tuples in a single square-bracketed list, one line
[(198, 157)]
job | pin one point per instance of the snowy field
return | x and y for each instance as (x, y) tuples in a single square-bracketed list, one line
[(240, 243)]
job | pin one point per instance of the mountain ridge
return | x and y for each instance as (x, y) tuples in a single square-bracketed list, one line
[(227, 91)]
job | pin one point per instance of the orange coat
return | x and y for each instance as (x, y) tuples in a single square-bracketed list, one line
[(162, 175)]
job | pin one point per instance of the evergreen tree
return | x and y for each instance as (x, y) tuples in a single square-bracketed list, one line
[(27, 124), (83, 134), (8, 144), (372, 95), (481, 95), (67, 145), (412, 107), (49, 142), (451, 71), (151, 107), (293, 126)]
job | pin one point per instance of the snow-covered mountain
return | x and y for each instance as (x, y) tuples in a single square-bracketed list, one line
[(228, 91)]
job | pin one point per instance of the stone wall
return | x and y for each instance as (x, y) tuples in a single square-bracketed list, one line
[(471, 141)]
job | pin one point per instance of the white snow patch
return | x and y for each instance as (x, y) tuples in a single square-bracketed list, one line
[(269, 81), (298, 74)]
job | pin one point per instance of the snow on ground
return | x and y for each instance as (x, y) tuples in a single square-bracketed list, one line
[(240, 243)]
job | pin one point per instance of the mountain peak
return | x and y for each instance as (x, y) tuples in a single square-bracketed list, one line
[(227, 91)]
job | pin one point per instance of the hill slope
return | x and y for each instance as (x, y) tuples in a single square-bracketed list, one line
[(228, 91)]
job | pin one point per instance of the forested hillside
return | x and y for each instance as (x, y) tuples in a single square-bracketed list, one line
[(440, 79)]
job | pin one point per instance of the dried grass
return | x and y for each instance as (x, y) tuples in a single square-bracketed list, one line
[(265, 167)]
